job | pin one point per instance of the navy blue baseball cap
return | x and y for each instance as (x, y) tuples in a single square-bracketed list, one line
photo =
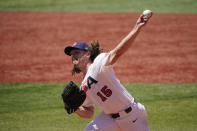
[(77, 45)]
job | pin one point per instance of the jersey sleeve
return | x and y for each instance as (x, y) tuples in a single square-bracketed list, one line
[(105, 60), (88, 102)]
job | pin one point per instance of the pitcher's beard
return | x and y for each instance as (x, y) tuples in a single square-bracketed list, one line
[(75, 70)]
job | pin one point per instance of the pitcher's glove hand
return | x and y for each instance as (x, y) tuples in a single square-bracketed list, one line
[(72, 97)]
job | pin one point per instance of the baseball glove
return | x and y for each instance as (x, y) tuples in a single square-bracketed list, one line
[(72, 97)]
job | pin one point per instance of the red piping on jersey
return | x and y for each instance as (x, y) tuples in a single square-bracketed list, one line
[(84, 87)]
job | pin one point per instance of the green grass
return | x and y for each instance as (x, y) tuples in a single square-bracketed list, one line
[(38, 107), (159, 6)]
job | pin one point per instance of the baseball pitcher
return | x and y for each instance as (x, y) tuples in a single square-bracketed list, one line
[(100, 87)]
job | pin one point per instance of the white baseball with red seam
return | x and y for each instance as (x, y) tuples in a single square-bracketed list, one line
[(147, 13)]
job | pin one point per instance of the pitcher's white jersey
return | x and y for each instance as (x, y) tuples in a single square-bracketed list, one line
[(103, 88)]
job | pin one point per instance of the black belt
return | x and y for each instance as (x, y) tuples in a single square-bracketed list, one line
[(129, 109), (116, 115)]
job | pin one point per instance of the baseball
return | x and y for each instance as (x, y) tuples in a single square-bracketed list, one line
[(147, 13)]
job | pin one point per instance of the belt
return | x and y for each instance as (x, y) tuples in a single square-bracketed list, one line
[(116, 115), (129, 109)]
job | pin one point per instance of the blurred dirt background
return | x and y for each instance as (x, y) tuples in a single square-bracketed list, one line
[(32, 46)]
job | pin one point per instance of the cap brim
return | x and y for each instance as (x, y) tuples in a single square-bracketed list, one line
[(68, 49)]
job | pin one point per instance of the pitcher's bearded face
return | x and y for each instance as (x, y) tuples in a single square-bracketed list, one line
[(79, 60)]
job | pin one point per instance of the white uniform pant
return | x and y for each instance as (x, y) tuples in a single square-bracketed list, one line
[(136, 120)]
